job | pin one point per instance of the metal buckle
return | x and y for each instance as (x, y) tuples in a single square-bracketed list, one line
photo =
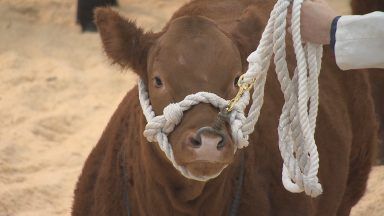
[(244, 87)]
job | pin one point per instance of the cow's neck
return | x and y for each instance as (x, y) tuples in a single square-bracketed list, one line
[(165, 183)]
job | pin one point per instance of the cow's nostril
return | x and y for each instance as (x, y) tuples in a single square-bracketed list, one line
[(195, 142), (221, 144), (207, 136)]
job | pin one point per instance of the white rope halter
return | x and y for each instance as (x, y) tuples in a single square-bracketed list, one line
[(297, 121)]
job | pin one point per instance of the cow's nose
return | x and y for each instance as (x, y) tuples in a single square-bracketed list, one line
[(207, 138)]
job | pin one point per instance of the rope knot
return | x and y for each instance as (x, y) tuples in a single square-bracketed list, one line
[(173, 113), (237, 120), (152, 128)]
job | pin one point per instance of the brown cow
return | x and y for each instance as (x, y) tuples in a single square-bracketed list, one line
[(376, 76), (366, 6), (204, 48)]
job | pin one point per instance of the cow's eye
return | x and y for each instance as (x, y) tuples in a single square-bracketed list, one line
[(157, 82), (236, 81)]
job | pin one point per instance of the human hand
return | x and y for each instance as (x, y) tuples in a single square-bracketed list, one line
[(316, 20)]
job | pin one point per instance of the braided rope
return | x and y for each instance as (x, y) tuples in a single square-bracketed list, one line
[(297, 122)]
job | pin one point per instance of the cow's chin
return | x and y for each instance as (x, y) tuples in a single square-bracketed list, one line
[(205, 169)]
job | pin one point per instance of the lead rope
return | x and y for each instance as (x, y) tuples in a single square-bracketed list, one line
[(238, 188), (298, 119), (297, 122)]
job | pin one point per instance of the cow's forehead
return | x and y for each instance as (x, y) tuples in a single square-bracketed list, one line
[(194, 32), (195, 44)]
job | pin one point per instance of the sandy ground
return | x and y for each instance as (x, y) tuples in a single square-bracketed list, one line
[(57, 92)]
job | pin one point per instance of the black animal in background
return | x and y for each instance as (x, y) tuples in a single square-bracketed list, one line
[(85, 12)]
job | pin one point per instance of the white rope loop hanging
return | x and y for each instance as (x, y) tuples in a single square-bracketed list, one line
[(297, 122)]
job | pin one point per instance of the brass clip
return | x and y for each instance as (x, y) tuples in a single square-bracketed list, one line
[(244, 87)]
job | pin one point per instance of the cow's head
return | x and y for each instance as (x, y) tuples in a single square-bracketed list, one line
[(192, 54)]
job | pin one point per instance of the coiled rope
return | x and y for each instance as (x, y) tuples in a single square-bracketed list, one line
[(298, 119)]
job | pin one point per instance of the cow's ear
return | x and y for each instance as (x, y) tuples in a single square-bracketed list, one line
[(124, 43)]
